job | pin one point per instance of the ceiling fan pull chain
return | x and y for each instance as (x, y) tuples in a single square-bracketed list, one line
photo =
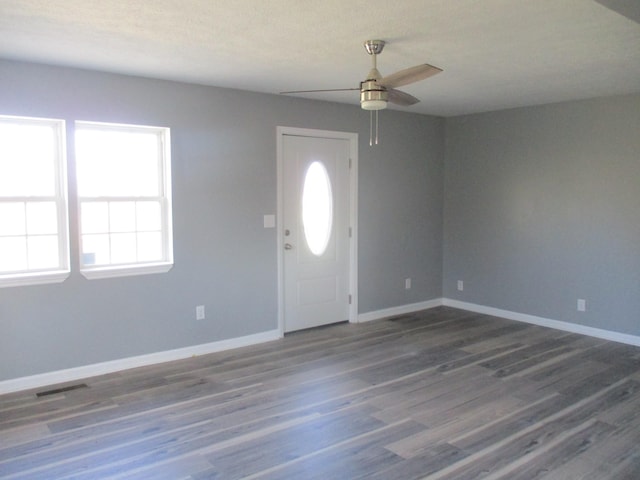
[(370, 128)]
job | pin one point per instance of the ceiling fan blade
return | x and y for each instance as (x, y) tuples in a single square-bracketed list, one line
[(319, 91), (409, 75), (401, 98)]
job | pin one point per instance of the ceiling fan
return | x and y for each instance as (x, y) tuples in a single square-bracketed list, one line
[(376, 91)]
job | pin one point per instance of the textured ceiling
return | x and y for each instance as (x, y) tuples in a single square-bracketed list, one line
[(495, 53)]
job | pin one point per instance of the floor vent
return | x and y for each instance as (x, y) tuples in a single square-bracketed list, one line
[(62, 390)]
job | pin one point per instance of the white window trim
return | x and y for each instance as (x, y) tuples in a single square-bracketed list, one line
[(36, 278), (126, 270), (122, 270), (39, 277)]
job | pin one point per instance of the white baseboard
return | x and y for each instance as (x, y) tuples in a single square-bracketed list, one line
[(73, 374), (496, 312), (77, 373), (400, 310), (545, 322)]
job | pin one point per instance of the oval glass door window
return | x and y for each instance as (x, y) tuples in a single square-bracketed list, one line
[(317, 208)]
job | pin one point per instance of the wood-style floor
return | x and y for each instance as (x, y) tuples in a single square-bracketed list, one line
[(441, 394)]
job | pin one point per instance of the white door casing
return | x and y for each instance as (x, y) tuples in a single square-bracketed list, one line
[(316, 285)]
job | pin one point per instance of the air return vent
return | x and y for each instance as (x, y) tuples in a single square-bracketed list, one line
[(61, 390)]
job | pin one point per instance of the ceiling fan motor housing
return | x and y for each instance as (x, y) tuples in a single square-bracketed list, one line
[(373, 96)]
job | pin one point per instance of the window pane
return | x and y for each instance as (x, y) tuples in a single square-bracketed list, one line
[(43, 252), (95, 217), (24, 150), (42, 218), (95, 250), (123, 248), (148, 216), (122, 216), (149, 247), (13, 254), (117, 163), (317, 208), (12, 219)]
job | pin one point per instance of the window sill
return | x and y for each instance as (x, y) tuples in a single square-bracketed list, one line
[(125, 271), (26, 279)]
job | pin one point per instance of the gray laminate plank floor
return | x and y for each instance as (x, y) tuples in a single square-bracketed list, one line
[(438, 394)]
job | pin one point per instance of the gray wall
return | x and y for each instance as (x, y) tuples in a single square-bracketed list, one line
[(224, 181), (542, 207)]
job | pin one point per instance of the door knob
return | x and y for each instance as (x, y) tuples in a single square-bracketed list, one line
[(288, 246)]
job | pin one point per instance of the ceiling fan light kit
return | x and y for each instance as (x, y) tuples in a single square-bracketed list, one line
[(373, 97), (376, 91)]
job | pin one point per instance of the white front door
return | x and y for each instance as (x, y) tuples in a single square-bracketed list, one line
[(315, 230)]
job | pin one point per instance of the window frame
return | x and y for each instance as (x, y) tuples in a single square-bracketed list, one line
[(164, 199), (60, 198)]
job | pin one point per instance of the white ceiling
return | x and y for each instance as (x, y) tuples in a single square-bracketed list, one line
[(495, 53)]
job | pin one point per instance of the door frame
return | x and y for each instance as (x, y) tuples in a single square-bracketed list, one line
[(353, 213)]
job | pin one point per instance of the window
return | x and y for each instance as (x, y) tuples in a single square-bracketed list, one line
[(123, 182), (34, 245)]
